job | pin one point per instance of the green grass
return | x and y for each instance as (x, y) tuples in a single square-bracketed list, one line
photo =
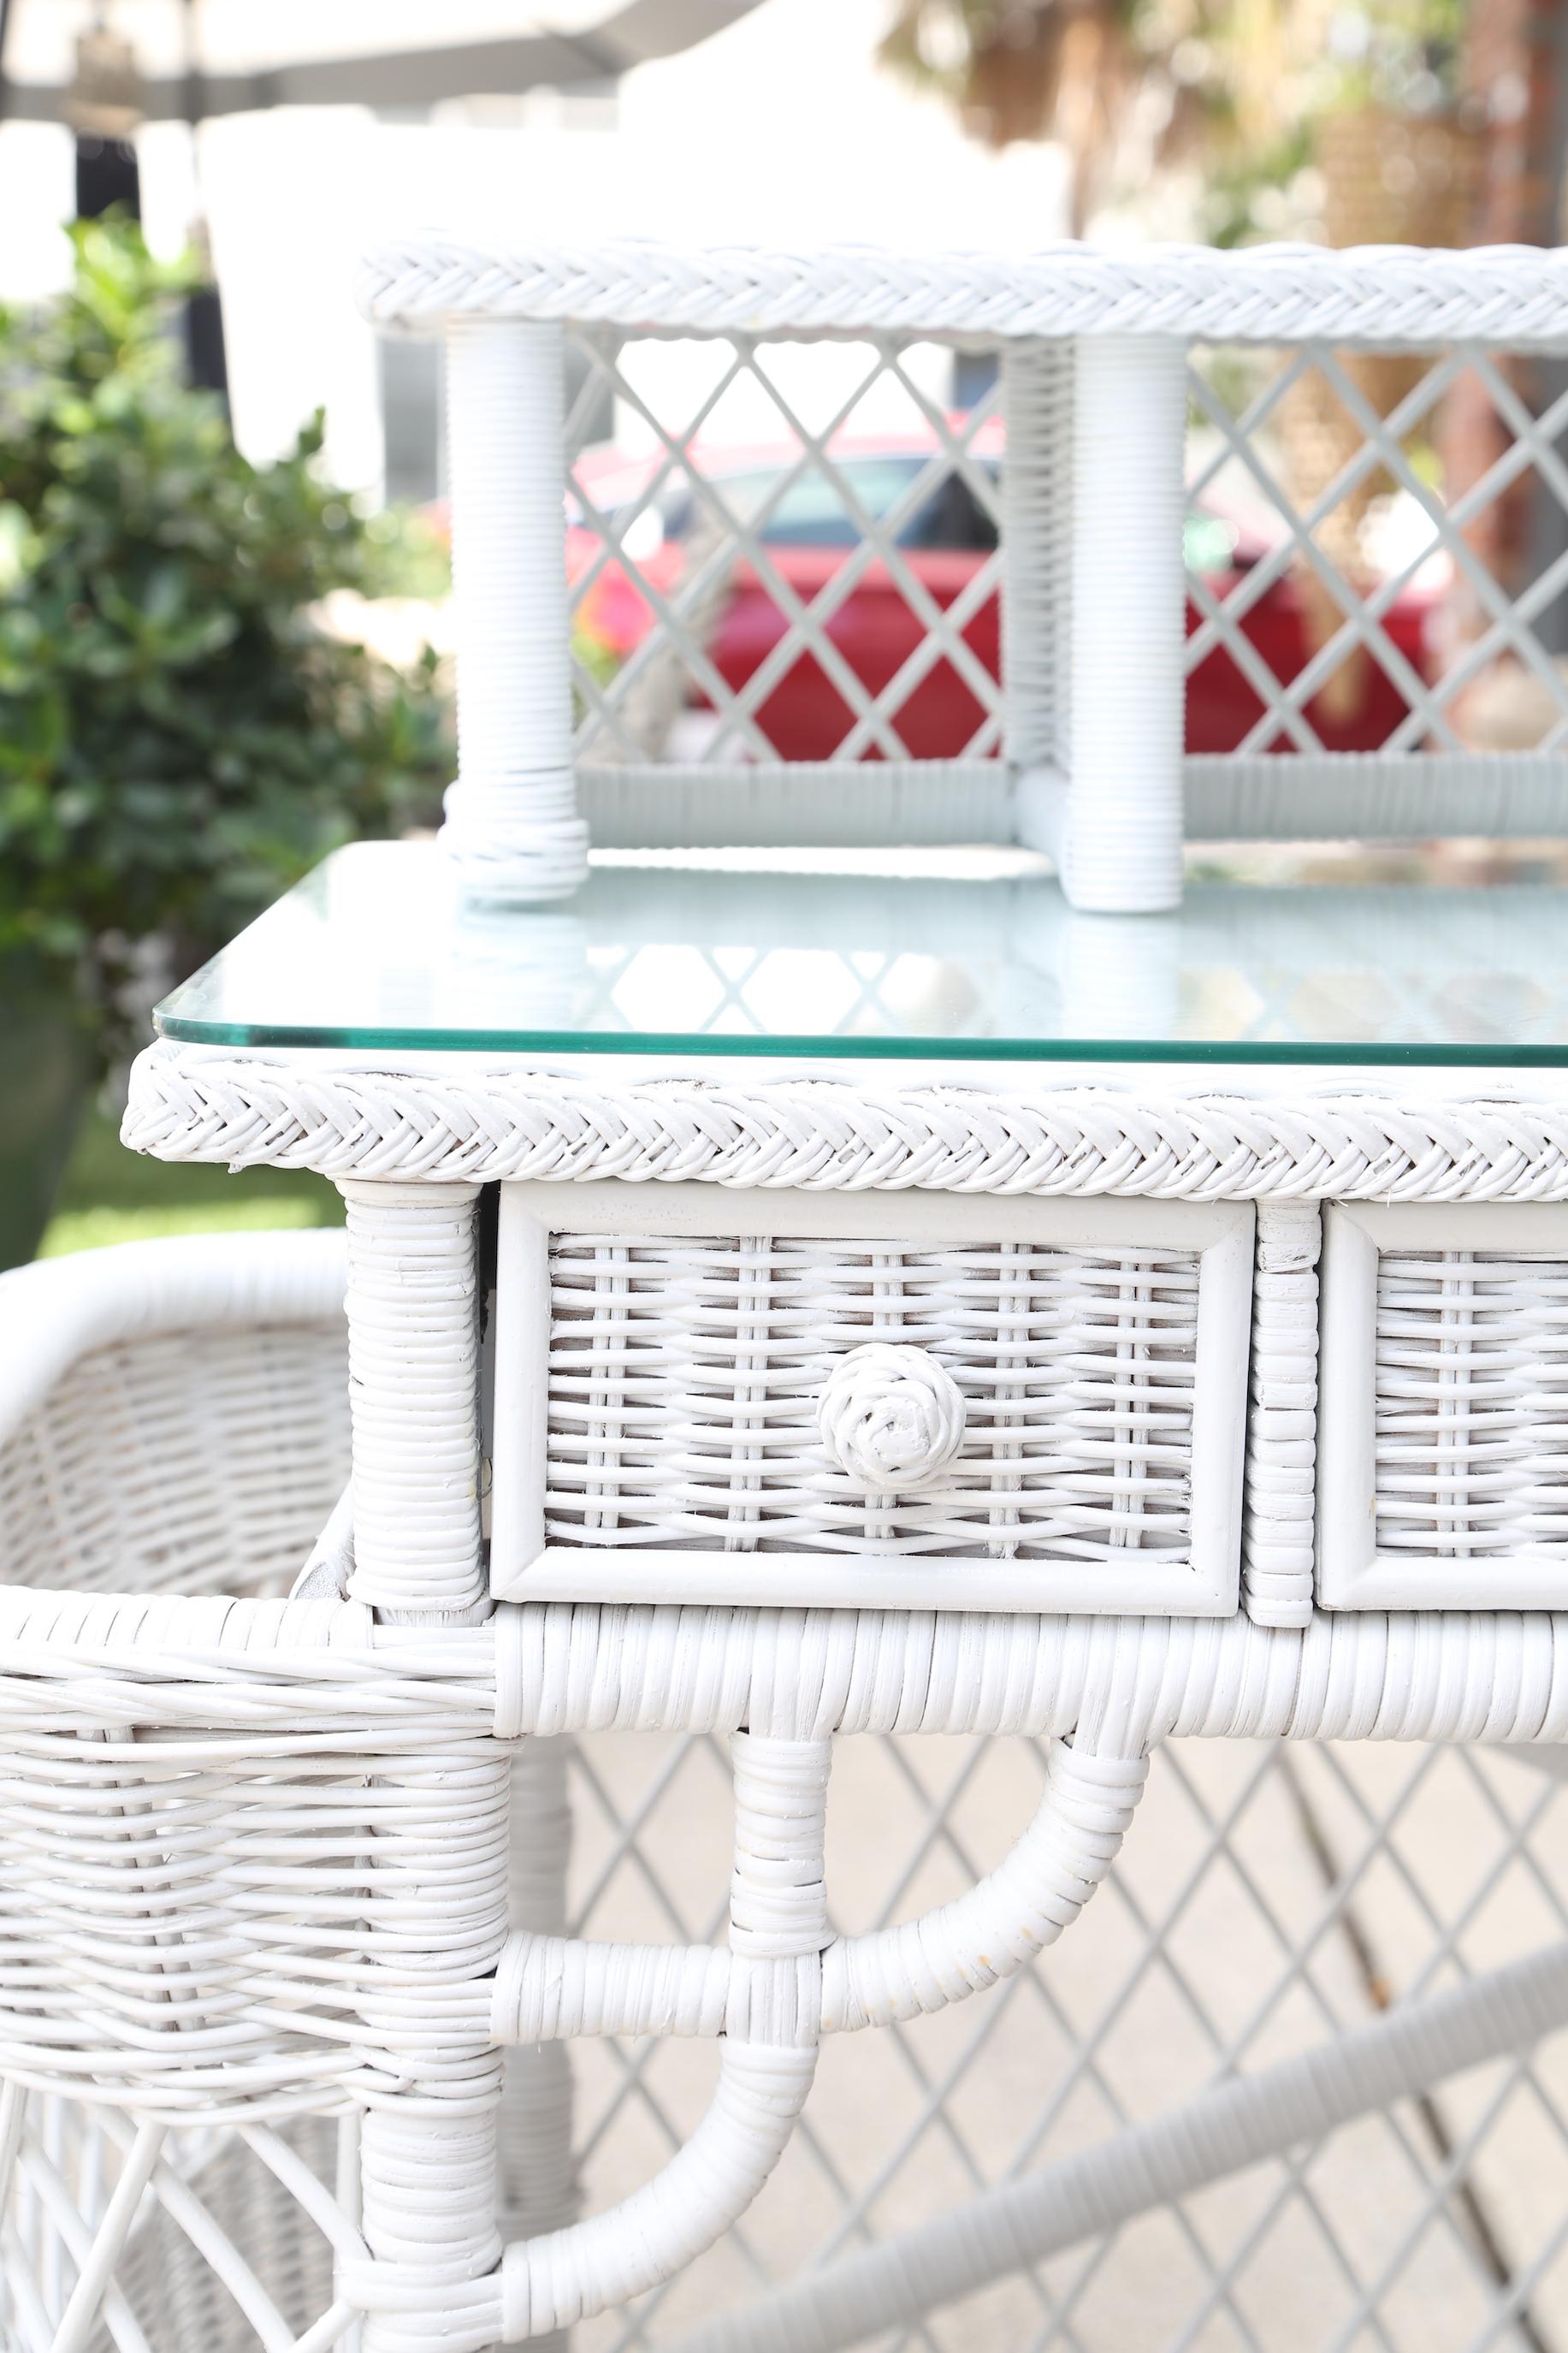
[(109, 1195)]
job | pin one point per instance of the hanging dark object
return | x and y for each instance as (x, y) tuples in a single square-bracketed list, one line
[(103, 106), (206, 360), (106, 175), (634, 35), (206, 354)]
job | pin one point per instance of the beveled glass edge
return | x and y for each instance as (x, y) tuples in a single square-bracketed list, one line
[(736, 1046)]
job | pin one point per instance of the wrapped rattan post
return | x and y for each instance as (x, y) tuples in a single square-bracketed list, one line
[(771, 2017), (539, 2187), (437, 1893), (511, 817), (1036, 555), (1119, 843), (438, 1883), (414, 1394), (1276, 1538)]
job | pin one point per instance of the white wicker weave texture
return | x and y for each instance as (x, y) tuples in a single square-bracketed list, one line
[(172, 1423), (937, 1403), (1443, 1465), (1471, 1445), (299, 1904), (678, 1367), (247, 1429), (1278, 294), (827, 1136)]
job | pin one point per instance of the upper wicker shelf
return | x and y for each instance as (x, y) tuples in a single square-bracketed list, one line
[(1103, 697)]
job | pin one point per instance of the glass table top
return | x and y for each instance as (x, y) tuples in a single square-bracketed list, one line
[(983, 960)]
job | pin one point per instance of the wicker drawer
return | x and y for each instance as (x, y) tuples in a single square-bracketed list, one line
[(903, 1399), (1443, 1433)]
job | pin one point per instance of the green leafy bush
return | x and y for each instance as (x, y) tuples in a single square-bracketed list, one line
[(179, 739)]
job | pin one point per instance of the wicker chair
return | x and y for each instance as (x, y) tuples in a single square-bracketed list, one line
[(172, 1415), (172, 1421)]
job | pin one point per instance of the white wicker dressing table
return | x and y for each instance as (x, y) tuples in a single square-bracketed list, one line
[(903, 1314), (1106, 1262)]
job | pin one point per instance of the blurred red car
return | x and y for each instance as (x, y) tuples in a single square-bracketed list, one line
[(807, 533)]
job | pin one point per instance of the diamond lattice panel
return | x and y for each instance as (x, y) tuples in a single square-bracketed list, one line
[(785, 550), (1376, 553), (775, 559), (1264, 1899)]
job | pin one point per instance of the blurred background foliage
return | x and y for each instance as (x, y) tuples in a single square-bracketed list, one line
[(181, 735), (109, 1195), (1226, 103), (180, 738)]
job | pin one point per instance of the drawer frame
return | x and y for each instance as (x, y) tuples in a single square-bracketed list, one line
[(1351, 1573), (523, 1566)]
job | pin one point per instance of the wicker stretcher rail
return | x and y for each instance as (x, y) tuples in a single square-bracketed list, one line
[(545, 1668)]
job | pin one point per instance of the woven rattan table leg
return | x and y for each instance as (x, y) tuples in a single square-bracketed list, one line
[(413, 1310), (438, 1880), (539, 2186), (1037, 580)]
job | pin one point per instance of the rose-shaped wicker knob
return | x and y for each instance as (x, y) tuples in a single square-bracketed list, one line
[(890, 1418)]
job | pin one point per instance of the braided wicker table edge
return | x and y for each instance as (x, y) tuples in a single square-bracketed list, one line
[(1285, 293), (429, 1126)]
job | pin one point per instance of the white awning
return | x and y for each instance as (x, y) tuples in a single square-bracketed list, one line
[(323, 67)]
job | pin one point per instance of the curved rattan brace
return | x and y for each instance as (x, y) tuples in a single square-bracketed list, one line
[(550, 1987), (771, 2021), (771, 2005)]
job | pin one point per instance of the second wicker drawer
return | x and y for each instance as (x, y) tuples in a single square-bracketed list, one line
[(1443, 1415), (910, 1399)]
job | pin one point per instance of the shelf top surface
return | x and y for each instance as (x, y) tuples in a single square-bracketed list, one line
[(1391, 294), (970, 956)]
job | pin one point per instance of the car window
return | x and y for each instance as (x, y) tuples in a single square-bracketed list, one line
[(1209, 542), (638, 518), (953, 517), (811, 513)]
